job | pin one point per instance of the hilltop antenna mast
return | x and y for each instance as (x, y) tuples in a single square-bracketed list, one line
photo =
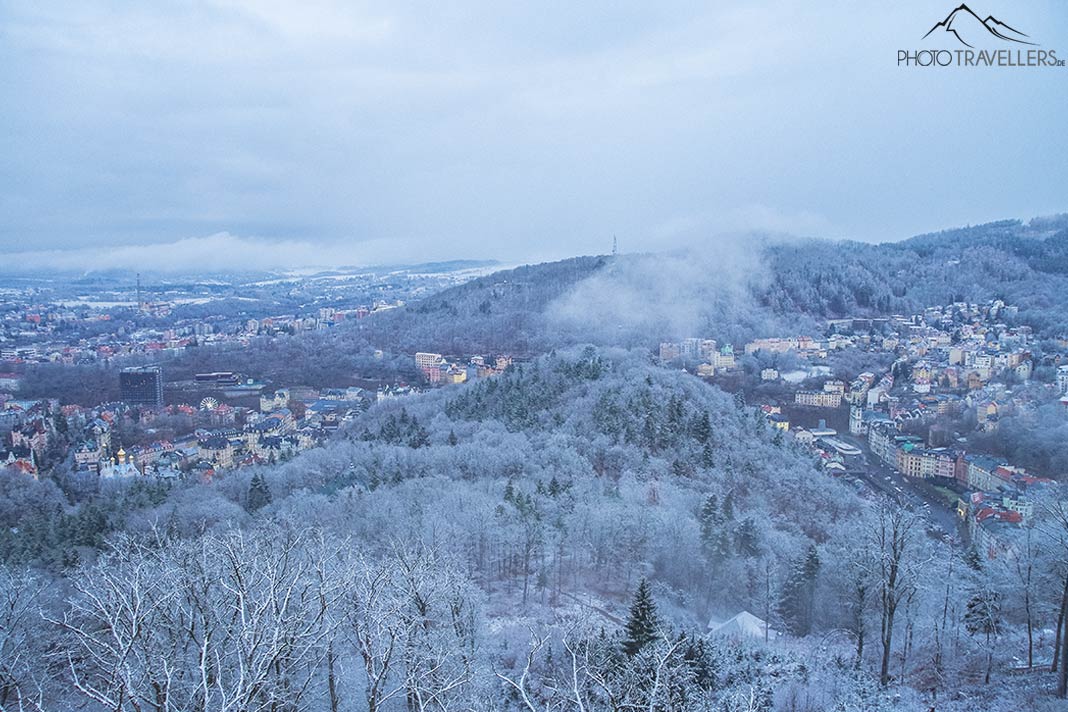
[(140, 304), (615, 245)]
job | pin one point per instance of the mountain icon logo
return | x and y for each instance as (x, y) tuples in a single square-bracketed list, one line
[(969, 28)]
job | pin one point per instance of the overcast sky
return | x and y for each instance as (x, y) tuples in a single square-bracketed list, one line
[(396, 131)]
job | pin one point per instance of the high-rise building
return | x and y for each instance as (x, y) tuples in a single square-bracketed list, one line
[(142, 385)]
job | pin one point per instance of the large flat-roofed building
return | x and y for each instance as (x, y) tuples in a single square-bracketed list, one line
[(818, 399), (428, 360), (142, 385)]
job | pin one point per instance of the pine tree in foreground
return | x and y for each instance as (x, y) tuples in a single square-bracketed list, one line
[(643, 623), (259, 494), (797, 600)]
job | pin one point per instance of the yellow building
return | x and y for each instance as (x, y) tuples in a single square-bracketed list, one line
[(779, 421)]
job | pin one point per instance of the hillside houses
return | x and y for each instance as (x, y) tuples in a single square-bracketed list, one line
[(212, 438), (440, 371), (953, 372), (1001, 494)]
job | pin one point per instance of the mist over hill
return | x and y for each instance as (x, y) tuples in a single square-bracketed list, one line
[(738, 289)]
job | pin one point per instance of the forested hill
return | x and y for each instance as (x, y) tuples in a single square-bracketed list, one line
[(619, 300), (735, 292), (452, 526), (605, 459), (584, 448), (504, 311), (1024, 264)]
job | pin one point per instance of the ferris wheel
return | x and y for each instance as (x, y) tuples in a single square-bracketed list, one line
[(209, 403)]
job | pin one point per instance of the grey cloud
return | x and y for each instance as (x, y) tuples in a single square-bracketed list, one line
[(506, 130), (213, 253), (696, 291)]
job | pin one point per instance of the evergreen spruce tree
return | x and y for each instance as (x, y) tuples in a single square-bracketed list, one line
[(702, 428), (419, 437), (675, 413), (759, 424), (810, 571), (707, 458), (643, 622), (722, 550), (797, 599), (554, 487), (700, 662), (651, 433), (707, 519), (746, 539), (728, 507), (259, 494), (789, 606)]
